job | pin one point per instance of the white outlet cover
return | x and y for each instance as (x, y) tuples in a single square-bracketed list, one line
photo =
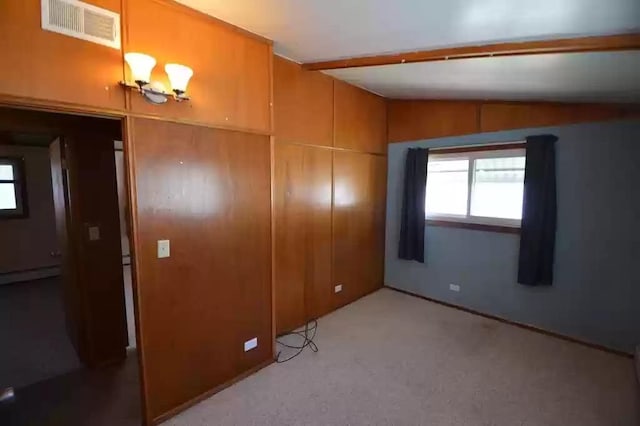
[(164, 249), (338, 288), (454, 287), (250, 344)]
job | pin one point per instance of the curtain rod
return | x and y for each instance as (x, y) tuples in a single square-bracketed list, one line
[(478, 145)]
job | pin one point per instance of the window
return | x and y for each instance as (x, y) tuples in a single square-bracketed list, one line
[(13, 200), (482, 186)]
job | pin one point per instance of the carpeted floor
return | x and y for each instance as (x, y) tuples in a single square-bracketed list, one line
[(392, 359)]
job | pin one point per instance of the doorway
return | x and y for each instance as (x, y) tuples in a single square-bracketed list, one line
[(66, 298)]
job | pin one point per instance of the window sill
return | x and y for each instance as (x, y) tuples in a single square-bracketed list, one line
[(474, 226)]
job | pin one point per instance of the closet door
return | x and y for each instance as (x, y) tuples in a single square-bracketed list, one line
[(302, 234), (358, 224)]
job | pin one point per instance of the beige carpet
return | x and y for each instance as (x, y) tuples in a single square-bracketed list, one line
[(392, 359)]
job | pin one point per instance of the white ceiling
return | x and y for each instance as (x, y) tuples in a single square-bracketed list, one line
[(317, 30), (571, 77)]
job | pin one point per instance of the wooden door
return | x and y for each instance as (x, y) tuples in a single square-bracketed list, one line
[(358, 223), (86, 205), (302, 234)]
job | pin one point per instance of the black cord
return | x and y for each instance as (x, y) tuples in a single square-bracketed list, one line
[(310, 327)]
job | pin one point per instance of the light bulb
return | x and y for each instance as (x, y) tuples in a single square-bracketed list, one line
[(179, 76), (141, 66)]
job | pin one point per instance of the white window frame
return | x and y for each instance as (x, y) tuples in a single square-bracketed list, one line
[(472, 156)]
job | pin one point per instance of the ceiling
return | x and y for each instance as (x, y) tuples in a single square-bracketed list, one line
[(319, 30), (569, 77)]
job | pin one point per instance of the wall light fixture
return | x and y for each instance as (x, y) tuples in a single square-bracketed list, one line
[(141, 66)]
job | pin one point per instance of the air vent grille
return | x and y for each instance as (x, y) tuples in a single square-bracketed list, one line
[(82, 20)]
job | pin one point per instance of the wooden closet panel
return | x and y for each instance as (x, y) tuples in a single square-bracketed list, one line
[(360, 119), (358, 224), (303, 104), (44, 65), (415, 120), (231, 84), (303, 234), (208, 192)]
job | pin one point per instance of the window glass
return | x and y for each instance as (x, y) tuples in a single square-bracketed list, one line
[(447, 187), (8, 197), (6, 172), (498, 187)]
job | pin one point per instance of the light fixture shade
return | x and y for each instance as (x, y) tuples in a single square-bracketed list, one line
[(141, 66), (179, 76)]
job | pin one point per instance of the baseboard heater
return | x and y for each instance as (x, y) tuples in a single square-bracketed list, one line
[(29, 274)]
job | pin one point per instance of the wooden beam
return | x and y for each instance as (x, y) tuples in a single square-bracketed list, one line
[(566, 45)]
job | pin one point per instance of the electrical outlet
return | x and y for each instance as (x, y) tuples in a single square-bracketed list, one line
[(250, 344), (338, 288), (454, 287), (164, 249)]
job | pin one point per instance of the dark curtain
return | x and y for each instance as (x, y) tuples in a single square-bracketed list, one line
[(412, 220), (538, 229)]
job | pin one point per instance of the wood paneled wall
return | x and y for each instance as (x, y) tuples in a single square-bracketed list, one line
[(231, 84), (329, 189), (43, 65), (208, 192), (230, 88), (410, 120)]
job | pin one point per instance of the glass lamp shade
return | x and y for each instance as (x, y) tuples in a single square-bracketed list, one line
[(141, 66), (179, 76)]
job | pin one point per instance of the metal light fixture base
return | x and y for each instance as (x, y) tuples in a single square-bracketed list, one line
[(155, 92)]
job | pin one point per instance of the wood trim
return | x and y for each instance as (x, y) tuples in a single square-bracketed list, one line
[(132, 214), (330, 148), (473, 226), (87, 111), (564, 45), (479, 148), (173, 412), (517, 324)]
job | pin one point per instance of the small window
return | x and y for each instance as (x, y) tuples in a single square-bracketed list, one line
[(13, 196), (483, 186)]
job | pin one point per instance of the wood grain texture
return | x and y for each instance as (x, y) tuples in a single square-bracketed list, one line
[(208, 192), (360, 119), (533, 47), (303, 104), (231, 85), (413, 120), (358, 224), (49, 66), (302, 234), (504, 116)]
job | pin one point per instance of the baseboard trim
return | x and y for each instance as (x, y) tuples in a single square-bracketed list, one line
[(182, 407), (518, 324)]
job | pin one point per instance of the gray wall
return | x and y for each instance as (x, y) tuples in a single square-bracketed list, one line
[(596, 291)]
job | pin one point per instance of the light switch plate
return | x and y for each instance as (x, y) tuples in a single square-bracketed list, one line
[(94, 233), (250, 344), (338, 288), (164, 249), (454, 287)]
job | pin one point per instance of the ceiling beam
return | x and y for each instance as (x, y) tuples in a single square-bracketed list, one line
[(565, 45)]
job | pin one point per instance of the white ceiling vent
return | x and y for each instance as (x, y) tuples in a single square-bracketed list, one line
[(82, 20)]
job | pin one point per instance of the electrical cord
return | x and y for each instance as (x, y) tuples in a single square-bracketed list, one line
[(308, 334)]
